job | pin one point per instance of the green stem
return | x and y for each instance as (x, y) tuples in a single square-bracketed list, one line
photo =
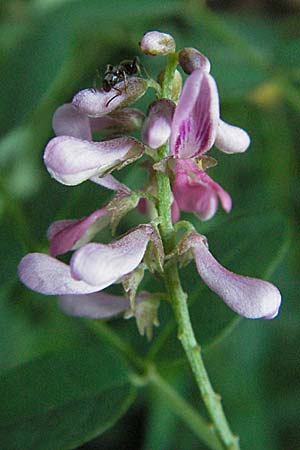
[(184, 411), (179, 302)]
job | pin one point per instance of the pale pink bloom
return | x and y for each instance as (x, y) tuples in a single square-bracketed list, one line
[(194, 191), (92, 268), (98, 305), (71, 160), (249, 297)]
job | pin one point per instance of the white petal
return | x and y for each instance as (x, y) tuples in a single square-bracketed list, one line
[(231, 139)]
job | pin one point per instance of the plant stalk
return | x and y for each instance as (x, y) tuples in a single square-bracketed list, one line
[(178, 298)]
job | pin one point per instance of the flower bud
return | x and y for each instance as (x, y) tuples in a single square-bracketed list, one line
[(191, 59), (145, 313), (155, 43)]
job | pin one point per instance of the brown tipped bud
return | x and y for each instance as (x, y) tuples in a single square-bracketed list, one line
[(191, 59), (155, 43)]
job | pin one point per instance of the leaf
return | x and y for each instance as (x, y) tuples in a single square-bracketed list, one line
[(249, 245), (64, 399)]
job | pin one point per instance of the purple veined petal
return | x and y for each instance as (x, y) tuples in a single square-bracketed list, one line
[(196, 116), (157, 125), (49, 276), (194, 191), (112, 183), (98, 305), (249, 297), (72, 161), (97, 102), (68, 235), (104, 264), (231, 139), (69, 121)]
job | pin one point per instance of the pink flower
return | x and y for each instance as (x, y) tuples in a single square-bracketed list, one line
[(72, 157), (197, 126), (249, 297), (194, 191), (93, 267)]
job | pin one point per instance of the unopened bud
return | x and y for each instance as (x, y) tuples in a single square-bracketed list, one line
[(155, 43), (191, 59), (145, 313)]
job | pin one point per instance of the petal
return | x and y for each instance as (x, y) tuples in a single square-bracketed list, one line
[(69, 121), (104, 264), (94, 306), (157, 126), (231, 139), (120, 121), (196, 117), (49, 276), (112, 183), (97, 102), (72, 161), (195, 191), (68, 235), (249, 297)]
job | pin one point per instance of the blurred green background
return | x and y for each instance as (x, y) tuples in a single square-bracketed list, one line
[(49, 50)]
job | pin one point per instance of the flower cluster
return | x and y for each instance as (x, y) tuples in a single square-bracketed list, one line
[(190, 128)]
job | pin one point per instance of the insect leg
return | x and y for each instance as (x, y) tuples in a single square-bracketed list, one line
[(119, 92)]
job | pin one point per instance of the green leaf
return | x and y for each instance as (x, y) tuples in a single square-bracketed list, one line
[(249, 245), (64, 399)]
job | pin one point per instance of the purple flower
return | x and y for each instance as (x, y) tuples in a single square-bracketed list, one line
[(65, 235), (194, 191), (249, 297), (196, 123), (93, 267)]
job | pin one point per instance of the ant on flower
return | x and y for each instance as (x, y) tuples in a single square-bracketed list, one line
[(118, 73)]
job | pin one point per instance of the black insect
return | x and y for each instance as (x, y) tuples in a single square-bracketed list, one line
[(120, 72)]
